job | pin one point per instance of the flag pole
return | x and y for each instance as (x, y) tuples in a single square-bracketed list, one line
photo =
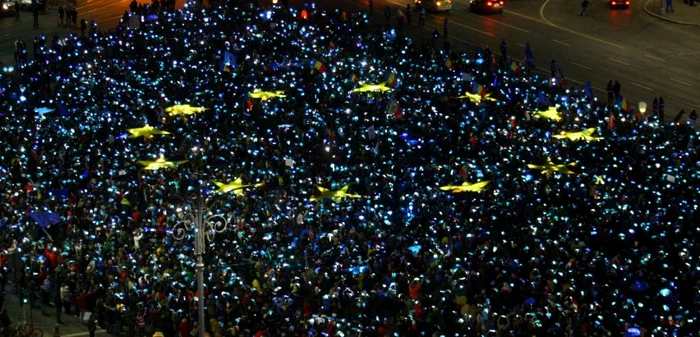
[(47, 233)]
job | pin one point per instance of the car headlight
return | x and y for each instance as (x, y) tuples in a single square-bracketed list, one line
[(5, 7)]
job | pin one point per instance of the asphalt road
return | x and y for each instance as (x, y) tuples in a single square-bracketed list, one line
[(105, 12), (650, 58), (71, 327)]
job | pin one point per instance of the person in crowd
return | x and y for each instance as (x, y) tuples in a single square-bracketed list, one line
[(61, 15), (35, 11), (350, 225), (584, 7), (421, 17)]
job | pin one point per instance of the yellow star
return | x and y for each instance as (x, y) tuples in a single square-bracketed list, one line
[(265, 95), (184, 110), (365, 87), (599, 180), (550, 167), (550, 113), (236, 186), (586, 135), (336, 195), (159, 163), (147, 132), (476, 98), (466, 187)]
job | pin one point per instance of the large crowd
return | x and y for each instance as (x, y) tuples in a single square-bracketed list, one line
[(602, 243)]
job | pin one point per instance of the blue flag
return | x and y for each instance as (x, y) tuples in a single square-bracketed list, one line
[(529, 58), (588, 90), (62, 193), (63, 110), (45, 219), (229, 60)]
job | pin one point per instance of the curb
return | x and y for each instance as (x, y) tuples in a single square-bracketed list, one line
[(661, 17)]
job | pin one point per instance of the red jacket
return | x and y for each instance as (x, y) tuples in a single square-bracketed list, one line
[(185, 328)]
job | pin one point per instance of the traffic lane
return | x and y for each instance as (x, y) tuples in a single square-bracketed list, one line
[(71, 326), (600, 62), (630, 27), (594, 59), (638, 82), (666, 71)]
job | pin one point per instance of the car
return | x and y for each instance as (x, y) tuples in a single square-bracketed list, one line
[(28, 5), (620, 4), (487, 6), (7, 9), (434, 5)]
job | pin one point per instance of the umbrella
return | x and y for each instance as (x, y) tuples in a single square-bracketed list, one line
[(530, 301)]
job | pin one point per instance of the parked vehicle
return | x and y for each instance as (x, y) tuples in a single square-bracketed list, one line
[(28, 5), (7, 9)]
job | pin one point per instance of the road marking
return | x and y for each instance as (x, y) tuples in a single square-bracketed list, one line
[(573, 31), (642, 86), (471, 28), (524, 46), (562, 43), (463, 25), (85, 333), (582, 66), (654, 57), (99, 4), (500, 23), (523, 16), (681, 82), (100, 8), (542, 14), (618, 61)]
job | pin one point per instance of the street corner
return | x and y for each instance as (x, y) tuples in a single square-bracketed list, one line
[(676, 12)]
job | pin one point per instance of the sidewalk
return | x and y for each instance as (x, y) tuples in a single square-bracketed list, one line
[(71, 327), (11, 30), (682, 13)]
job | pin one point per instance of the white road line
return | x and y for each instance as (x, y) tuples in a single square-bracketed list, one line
[(582, 66), (524, 16), (544, 19), (524, 46), (501, 23), (618, 61), (101, 8), (681, 82), (99, 4), (471, 28), (562, 43), (654, 57), (465, 26), (642, 86), (78, 334)]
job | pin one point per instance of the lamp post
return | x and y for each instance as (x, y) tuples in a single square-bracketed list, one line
[(205, 225)]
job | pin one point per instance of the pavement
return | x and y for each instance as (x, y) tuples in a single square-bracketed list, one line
[(11, 30), (71, 327), (682, 14)]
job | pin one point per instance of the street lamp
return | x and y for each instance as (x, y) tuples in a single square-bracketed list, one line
[(205, 225)]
